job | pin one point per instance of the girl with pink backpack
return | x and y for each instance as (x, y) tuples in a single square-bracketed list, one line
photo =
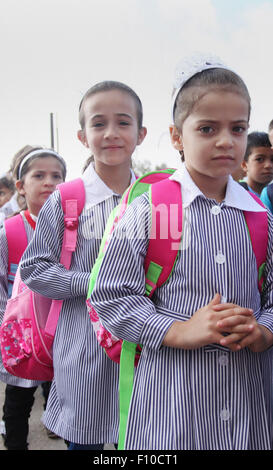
[(204, 376), (83, 401), (37, 171)]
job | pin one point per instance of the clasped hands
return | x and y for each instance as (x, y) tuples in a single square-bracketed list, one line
[(226, 324)]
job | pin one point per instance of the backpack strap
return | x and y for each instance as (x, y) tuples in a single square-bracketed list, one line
[(17, 243), (257, 224), (166, 231), (73, 199)]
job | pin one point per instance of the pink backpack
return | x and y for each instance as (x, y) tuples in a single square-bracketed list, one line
[(30, 320), (158, 265)]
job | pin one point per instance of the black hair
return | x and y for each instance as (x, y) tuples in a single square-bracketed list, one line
[(7, 182), (256, 139)]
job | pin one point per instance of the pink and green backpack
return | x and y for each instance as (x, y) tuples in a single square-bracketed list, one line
[(158, 265)]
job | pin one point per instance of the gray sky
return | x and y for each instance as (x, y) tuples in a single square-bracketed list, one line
[(52, 51)]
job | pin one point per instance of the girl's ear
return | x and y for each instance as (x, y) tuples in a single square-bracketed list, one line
[(82, 137), (176, 138), (141, 135), (20, 187), (244, 166)]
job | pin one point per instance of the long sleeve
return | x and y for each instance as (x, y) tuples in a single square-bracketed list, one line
[(118, 295), (41, 269)]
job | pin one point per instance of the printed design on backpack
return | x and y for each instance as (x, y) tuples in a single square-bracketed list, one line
[(16, 341), (105, 339)]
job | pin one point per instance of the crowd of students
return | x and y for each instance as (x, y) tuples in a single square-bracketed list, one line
[(204, 378)]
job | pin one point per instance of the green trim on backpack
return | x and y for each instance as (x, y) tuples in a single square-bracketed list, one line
[(126, 381), (261, 272), (152, 275)]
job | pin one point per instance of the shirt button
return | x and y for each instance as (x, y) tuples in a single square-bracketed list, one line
[(220, 258), (223, 360), (225, 415), (215, 210)]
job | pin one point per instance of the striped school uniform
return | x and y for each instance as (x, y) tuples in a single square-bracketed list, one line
[(207, 398), (4, 375), (83, 401)]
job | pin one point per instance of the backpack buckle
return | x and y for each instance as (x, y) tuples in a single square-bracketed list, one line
[(71, 223)]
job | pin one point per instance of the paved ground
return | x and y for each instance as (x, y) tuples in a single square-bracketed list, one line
[(38, 439)]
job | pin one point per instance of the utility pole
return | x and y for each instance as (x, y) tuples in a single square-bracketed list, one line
[(54, 132)]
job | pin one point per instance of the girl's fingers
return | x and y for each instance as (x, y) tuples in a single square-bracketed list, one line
[(232, 309), (233, 321), (233, 340)]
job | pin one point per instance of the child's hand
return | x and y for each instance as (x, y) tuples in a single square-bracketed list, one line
[(244, 331), (238, 321), (203, 327), (258, 338)]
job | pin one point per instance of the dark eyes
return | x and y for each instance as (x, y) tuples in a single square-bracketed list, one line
[(41, 175), (102, 124), (206, 130), (209, 130)]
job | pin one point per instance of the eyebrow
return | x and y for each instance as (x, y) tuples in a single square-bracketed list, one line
[(99, 116), (212, 121), (263, 154)]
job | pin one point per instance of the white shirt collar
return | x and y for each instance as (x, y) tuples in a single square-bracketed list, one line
[(236, 195), (96, 190)]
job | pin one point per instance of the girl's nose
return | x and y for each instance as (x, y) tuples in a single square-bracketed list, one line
[(111, 131), (225, 139), (49, 181)]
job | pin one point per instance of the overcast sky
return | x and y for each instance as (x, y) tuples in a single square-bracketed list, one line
[(52, 51)]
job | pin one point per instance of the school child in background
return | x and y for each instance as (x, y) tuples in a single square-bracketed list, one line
[(37, 171), (196, 387), (8, 197), (7, 189), (83, 401), (257, 163)]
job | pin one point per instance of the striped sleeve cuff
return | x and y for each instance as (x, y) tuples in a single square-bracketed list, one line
[(266, 319), (80, 284), (154, 330)]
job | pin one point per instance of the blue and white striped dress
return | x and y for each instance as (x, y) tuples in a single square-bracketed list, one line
[(207, 398), (83, 400), (4, 375)]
